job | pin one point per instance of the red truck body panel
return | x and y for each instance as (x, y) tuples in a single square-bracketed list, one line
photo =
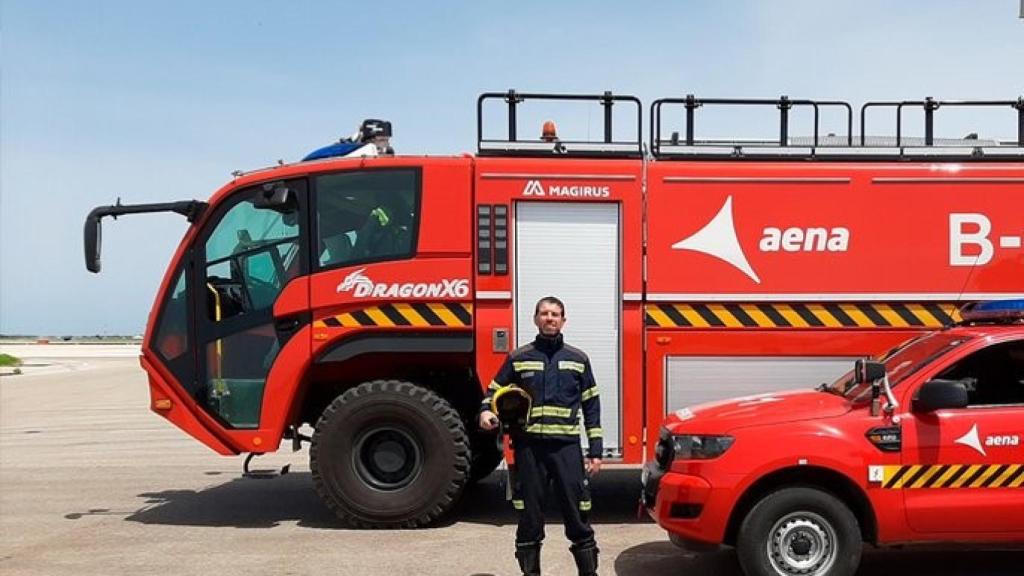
[(717, 260)]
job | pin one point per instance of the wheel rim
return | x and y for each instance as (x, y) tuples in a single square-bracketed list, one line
[(387, 458), (802, 543)]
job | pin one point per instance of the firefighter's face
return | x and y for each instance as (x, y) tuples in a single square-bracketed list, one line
[(549, 319)]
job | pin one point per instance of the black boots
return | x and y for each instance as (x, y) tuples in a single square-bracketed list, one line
[(528, 555), (585, 554)]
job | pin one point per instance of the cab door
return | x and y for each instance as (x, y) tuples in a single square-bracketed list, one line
[(964, 468), (245, 257)]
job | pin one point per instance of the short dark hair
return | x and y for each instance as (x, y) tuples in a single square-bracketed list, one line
[(549, 300)]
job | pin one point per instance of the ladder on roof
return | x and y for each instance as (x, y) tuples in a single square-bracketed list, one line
[(846, 147)]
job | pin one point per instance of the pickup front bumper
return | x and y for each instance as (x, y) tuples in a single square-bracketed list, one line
[(686, 506)]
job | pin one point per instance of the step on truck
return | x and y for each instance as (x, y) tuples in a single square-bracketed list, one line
[(372, 296)]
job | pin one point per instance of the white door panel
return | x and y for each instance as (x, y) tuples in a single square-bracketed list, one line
[(697, 379), (571, 250)]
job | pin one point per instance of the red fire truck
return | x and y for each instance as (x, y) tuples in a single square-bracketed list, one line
[(922, 446), (373, 296)]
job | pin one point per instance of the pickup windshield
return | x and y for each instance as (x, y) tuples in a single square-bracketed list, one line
[(901, 362)]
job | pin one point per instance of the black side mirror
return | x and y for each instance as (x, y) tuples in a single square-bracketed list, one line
[(940, 394), (866, 371), (93, 234), (277, 197)]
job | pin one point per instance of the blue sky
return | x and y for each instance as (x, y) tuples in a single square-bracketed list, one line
[(155, 102)]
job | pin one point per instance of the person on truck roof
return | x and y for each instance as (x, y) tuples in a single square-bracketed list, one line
[(560, 381)]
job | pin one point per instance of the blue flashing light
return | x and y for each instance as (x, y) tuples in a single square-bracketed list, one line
[(995, 305), (333, 150), (993, 310)]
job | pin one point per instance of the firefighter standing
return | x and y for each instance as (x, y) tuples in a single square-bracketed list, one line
[(560, 382)]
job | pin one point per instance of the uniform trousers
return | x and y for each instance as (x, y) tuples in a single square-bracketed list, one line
[(541, 462)]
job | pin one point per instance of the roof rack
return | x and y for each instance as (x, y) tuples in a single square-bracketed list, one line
[(833, 147), (513, 146)]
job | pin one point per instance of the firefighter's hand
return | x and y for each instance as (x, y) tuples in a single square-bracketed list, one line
[(593, 466), (488, 420)]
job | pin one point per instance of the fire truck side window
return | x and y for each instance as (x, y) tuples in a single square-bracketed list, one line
[(250, 256), (171, 339), (172, 335), (366, 216), (994, 376)]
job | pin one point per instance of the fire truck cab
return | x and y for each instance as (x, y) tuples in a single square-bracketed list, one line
[(923, 445), (371, 297)]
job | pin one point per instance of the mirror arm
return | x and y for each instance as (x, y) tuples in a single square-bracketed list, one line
[(892, 404), (190, 209)]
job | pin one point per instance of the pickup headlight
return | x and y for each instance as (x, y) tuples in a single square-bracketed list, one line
[(699, 447)]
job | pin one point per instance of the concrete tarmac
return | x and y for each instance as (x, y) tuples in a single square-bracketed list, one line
[(93, 483)]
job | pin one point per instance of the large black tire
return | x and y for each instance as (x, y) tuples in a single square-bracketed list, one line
[(389, 454), (486, 456), (799, 532)]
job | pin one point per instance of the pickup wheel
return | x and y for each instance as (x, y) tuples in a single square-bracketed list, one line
[(389, 454), (799, 532)]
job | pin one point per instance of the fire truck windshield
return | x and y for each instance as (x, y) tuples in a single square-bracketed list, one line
[(901, 362)]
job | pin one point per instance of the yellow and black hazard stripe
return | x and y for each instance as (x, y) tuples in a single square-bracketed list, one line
[(918, 476), (803, 315), (417, 314)]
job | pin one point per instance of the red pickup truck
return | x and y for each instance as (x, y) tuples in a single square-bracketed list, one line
[(922, 445)]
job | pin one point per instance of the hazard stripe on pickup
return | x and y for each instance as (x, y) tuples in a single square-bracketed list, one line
[(416, 315), (803, 315), (918, 476)]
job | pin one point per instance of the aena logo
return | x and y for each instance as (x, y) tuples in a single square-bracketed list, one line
[(718, 238), (973, 440), (363, 287)]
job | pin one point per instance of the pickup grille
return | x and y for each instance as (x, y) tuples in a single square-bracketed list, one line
[(664, 450)]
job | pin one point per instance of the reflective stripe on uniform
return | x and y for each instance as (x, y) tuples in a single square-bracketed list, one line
[(589, 393), (585, 506), (527, 365), (570, 365), (595, 433), (556, 411), (381, 215), (554, 429), (518, 504)]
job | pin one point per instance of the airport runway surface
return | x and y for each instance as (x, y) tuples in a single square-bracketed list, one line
[(93, 483)]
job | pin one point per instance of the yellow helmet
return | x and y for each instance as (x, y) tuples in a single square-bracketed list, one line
[(512, 405)]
